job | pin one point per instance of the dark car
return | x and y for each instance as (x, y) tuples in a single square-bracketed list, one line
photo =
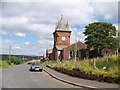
[(36, 66)]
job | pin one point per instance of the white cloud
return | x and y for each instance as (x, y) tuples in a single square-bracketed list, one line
[(2, 33), (27, 43), (29, 17), (17, 47), (20, 34), (77, 34), (107, 16), (39, 17), (7, 42), (19, 50), (45, 43), (109, 10), (5, 45), (59, 1), (21, 26)]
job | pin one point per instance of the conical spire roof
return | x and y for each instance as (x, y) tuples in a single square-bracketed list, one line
[(62, 25)]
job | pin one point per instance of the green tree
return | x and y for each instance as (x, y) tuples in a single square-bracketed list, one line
[(15, 60), (5, 58), (101, 35)]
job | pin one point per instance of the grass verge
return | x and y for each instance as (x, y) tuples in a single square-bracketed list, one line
[(4, 64), (90, 68)]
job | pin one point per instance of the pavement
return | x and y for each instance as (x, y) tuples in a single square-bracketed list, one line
[(90, 84)]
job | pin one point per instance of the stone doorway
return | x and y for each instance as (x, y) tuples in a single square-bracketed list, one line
[(60, 55)]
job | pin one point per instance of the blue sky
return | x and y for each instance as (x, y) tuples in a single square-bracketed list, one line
[(28, 26)]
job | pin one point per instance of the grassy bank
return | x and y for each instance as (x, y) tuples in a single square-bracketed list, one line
[(89, 67), (6, 62), (3, 64)]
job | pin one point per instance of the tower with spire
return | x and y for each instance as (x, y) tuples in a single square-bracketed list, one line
[(61, 35)]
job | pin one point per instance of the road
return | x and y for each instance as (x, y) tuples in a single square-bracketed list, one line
[(20, 77)]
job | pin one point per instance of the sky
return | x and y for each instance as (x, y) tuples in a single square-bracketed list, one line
[(28, 25)]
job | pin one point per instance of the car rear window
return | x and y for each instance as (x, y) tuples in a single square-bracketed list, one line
[(35, 64)]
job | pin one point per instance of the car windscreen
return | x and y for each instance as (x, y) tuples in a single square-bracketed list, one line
[(35, 64)]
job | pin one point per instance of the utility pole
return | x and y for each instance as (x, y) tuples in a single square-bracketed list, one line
[(118, 42), (10, 54), (38, 55), (23, 58)]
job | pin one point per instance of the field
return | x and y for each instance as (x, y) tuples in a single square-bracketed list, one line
[(90, 67)]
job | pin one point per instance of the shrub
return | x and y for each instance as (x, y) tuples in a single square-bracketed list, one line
[(15, 60)]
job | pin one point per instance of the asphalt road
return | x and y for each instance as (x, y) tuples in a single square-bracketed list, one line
[(20, 77)]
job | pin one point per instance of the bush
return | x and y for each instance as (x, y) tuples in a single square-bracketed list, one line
[(5, 58), (15, 60)]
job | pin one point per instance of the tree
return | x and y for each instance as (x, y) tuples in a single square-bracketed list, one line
[(16, 60), (5, 58), (101, 35)]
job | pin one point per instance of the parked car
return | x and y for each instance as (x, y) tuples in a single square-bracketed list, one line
[(36, 66)]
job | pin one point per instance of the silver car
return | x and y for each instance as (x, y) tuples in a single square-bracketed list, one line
[(36, 66)]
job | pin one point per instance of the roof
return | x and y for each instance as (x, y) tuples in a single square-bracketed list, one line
[(62, 25), (78, 45)]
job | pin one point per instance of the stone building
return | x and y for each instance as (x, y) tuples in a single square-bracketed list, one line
[(76, 51), (49, 55), (61, 35), (62, 50)]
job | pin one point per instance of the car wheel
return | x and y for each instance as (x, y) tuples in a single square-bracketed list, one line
[(30, 69), (40, 70)]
